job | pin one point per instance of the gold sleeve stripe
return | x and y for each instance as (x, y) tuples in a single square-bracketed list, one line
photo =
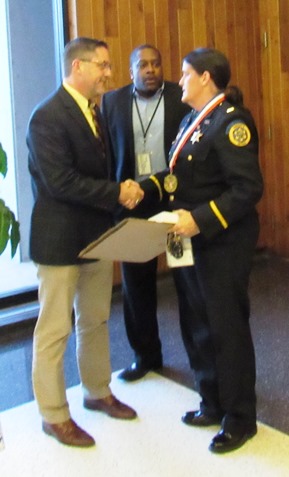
[(218, 214), (154, 179)]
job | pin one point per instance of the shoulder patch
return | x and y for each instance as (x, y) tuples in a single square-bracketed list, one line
[(239, 134)]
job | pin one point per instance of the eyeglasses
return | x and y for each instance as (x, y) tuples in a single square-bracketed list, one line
[(102, 65)]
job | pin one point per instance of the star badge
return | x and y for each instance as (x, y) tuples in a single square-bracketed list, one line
[(196, 136)]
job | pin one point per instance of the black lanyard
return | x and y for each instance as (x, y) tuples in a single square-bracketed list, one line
[(151, 120)]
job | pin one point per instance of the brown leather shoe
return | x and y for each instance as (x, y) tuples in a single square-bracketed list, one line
[(111, 406), (68, 433)]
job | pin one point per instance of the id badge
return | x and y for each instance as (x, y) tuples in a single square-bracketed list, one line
[(144, 164), (179, 252)]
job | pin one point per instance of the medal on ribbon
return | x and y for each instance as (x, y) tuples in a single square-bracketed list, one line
[(193, 132), (170, 183), (193, 128)]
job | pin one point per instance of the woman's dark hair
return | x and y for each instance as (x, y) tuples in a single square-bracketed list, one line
[(234, 95), (213, 61)]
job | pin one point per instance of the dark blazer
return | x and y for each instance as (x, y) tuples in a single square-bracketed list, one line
[(117, 114), (74, 197)]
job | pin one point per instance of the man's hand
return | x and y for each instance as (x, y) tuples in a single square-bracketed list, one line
[(130, 194), (186, 224)]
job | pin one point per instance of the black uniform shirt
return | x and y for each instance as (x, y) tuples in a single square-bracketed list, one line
[(219, 178)]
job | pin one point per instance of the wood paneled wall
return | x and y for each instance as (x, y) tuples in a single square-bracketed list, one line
[(252, 33), (274, 26)]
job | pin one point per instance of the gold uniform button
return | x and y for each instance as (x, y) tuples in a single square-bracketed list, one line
[(190, 157)]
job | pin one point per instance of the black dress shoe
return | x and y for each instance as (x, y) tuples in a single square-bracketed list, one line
[(198, 418), (136, 371), (226, 441)]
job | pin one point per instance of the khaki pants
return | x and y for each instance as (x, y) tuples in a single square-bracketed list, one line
[(87, 288)]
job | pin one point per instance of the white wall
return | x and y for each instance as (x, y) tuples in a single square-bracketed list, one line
[(7, 186), (33, 77), (31, 41)]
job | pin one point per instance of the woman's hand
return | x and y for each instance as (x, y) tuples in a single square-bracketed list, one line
[(186, 225)]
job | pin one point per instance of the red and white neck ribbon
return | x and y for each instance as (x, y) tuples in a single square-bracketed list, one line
[(205, 111)]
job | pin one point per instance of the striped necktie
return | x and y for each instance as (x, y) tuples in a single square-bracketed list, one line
[(98, 131)]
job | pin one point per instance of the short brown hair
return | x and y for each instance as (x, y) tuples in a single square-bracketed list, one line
[(77, 48)]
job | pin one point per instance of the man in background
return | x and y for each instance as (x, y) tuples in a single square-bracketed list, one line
[(142, 120), (74, 201)]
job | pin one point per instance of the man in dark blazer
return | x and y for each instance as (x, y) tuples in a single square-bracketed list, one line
[(74, 201), (142, 120)]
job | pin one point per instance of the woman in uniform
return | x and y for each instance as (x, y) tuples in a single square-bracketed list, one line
[(213, 184)]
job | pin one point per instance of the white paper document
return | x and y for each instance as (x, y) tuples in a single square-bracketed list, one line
[(165, 218), (187, 258)]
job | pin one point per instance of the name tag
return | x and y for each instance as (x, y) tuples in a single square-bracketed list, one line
[(180, 255), (144, 164)]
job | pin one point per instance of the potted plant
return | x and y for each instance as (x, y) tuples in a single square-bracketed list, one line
[(9, 226)]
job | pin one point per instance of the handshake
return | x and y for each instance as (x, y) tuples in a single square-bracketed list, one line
[(130, 194)]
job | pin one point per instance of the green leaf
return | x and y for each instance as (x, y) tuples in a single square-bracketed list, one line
[(5, 222), (14, 234), (9, 229), (3, 161)]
